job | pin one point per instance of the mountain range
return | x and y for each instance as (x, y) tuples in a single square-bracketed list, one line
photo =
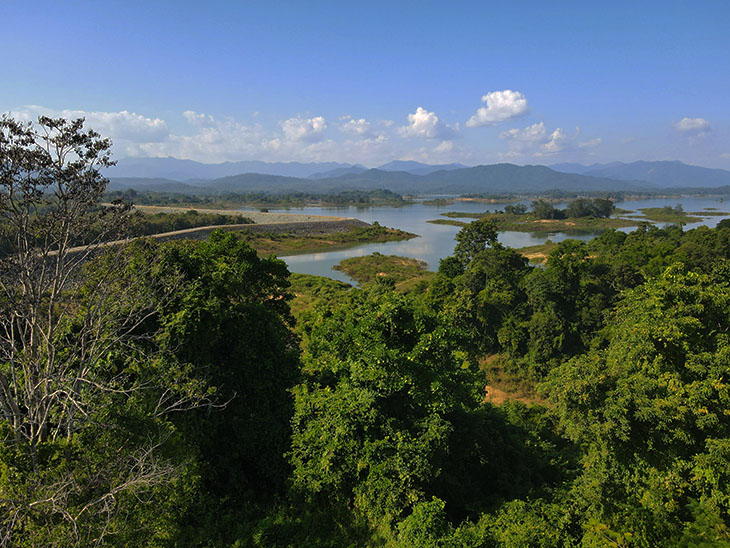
[(667, 174), (406, 177), (490, 179), (190, 170)]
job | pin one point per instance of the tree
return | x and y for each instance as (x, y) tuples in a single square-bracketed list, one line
[(372, 415), (543, 209), (70, 335), (650, 410), (473, 238)]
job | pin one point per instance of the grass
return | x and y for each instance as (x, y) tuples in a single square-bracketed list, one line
[(292, 244), (449, 222), (502, 384), (668, 214), (404, 271), (710, 212), (538, 254)]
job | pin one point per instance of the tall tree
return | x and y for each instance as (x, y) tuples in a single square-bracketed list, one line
[(68, 339)]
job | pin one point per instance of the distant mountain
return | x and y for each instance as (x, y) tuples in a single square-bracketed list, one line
[(418, 168), (339, 171), (187, 170), (489, 179), (666, 174), (580, 168)]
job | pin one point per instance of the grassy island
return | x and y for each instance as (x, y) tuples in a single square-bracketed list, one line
[(528, 222), (669, 214), (292, 243), (542, 216), (405, 272)]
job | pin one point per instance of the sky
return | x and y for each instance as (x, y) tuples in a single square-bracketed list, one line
[(527, 82)]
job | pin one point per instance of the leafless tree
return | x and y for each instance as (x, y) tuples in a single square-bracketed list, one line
[(57, 324)]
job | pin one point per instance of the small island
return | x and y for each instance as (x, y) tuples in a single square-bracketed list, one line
[(542, 216)]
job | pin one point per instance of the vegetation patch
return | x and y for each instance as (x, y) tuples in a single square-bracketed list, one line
[(669, 214), (310, 291), (143, 224), (291, 244), (449, 222), (527, 222), (384, 267), (710, 212), (368, 198), (538, 254)]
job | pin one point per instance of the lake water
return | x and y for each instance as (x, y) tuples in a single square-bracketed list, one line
[(437, 241)]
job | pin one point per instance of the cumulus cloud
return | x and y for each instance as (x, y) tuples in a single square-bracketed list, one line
[(426, 125), (692, 126), (352, 126), (535, 139), (304, 129), (212, 140), (500, 106), (121, 125), (199, 119)]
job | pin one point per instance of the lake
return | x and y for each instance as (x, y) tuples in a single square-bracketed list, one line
[(437, 241)]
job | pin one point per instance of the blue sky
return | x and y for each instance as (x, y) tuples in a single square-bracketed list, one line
[(370, 82)]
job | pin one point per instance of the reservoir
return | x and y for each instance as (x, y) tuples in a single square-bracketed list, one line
[(437, 241)]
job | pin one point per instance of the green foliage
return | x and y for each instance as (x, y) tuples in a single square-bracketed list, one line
[(231, 325), (379, 267), (473, 238), (348, 197), (651, 408), (146, 225), (371, 418)]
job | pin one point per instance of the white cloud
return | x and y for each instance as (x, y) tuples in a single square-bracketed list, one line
[(426, 125), (359, 127), (304, 129), (501, 106), (122, 125), (444, 147), (198, 119), (531, 134), (535, 140), (692, 126), (590, 143), (213, 140)]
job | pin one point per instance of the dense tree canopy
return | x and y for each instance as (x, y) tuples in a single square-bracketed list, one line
[(162, 394)]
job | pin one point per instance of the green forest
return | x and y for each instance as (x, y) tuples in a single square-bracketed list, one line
[(195, 394)]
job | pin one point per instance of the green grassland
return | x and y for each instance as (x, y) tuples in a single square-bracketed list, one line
[(405, 272), (293, 244)]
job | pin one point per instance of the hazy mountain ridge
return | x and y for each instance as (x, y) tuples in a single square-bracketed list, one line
[(191, 171), (488, 179), (668, 174), (186, 170)]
